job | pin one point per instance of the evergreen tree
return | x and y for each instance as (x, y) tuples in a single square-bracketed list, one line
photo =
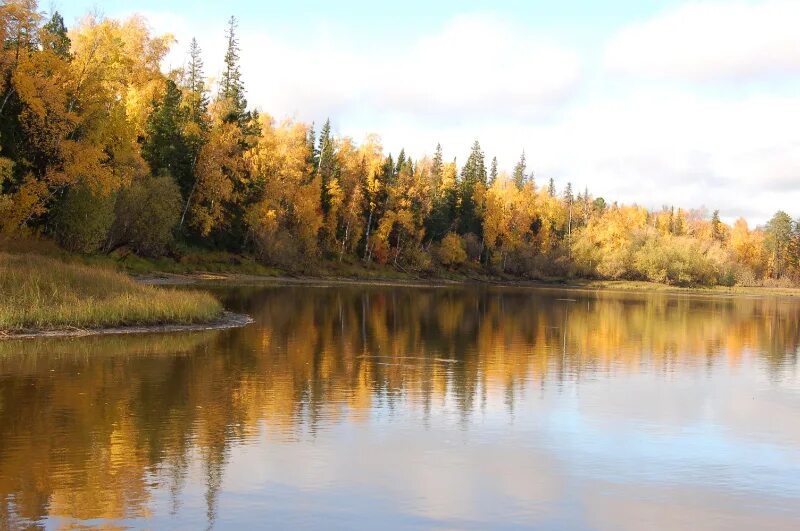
[(164, 146), (551, 188), (436, 167), (326, 166), (444, 212), (473, 175), (716, 226), (401, 161), (312, 158), (195, 85), (231, 86), (569, 198), (519, 172), (493, 171), (54, 36)]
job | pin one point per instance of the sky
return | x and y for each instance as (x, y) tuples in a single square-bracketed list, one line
[(693, 104)]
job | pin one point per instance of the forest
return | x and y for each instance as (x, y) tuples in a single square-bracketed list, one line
[(101, 150)]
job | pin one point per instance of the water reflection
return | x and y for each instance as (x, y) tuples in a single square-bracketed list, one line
[(430, 406)]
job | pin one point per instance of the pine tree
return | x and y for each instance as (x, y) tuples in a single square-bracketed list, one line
[(493, 171), (473, 174), (164, 147), (436, 167), (312, 158), (551, 188), (569, 198), (195, 85), (231, 87), (326, 166), (54, 36), (716, 226), (519, 172)]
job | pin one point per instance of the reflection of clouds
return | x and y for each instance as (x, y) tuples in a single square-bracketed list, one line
[(442, 474), (341, 411)]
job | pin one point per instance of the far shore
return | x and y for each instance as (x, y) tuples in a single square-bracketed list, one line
[(632, 286)]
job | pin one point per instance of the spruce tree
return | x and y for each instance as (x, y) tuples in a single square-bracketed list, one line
[(54, 36), (472, 174), (195, 84), (312, 158), (493, 171), (164, 147), (326, 166), (551, 188), (519, 171), (436, 167), (716, 226), (231, 87)]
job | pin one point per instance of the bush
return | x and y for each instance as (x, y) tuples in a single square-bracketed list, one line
[(418, 260), (473, 246), (452, 250), (146, 215), (83, 219), (680, 260)]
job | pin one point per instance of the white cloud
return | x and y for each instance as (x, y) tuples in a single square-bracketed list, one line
[(710, 41), (473, 65), (486, 78)]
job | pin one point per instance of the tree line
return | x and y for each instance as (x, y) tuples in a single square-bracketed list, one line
[(101, 150)]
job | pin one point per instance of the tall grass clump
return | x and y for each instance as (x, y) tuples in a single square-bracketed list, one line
[(37, 292)]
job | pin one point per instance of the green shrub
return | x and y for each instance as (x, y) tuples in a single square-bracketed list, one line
[(83, 218), (146, 215)]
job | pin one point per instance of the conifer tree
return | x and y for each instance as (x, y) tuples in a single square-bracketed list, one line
[(231, 86), (55, 36), (551, 188), (493, 171), (519, 172), (195, 85), (473, 177), (164, 146), (312, 159), (436, 167), (716, 226), (326, 166)]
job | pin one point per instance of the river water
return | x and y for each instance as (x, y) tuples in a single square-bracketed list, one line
[(401, 407)]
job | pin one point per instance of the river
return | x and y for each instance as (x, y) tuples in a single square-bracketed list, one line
[(415, 407)]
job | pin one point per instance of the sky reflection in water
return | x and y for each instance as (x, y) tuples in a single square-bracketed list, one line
[(415, 407)]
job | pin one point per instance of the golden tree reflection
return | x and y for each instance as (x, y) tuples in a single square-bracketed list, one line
[(88, 427)]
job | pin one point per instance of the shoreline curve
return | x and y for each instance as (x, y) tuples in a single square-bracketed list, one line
[(226, 321)]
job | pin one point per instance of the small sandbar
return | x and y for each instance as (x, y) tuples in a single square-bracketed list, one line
[(225, 321)]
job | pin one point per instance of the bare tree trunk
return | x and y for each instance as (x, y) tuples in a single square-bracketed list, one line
[(397, 252), (344, 240), (367, 250), (191, 192)]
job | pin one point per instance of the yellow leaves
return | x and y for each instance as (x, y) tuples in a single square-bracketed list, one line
[(27, 201), (278, 162), (218, 164), (452, 251)]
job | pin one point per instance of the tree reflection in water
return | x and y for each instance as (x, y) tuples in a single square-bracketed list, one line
[(89, 427)]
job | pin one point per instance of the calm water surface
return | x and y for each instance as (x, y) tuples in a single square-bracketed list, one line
[(365, 407)]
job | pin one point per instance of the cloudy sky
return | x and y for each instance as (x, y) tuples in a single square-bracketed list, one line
[(659, 102)]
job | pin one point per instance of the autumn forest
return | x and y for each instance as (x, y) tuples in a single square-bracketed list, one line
[(102, 150)]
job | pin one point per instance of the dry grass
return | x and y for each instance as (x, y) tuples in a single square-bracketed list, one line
[(37, 292)]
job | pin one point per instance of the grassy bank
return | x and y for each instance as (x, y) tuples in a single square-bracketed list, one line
[(38, 292)]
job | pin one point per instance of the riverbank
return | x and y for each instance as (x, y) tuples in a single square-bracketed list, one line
[(39, 294), (632, 286)]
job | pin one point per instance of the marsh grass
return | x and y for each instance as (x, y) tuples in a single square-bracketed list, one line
[(37, 292)]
